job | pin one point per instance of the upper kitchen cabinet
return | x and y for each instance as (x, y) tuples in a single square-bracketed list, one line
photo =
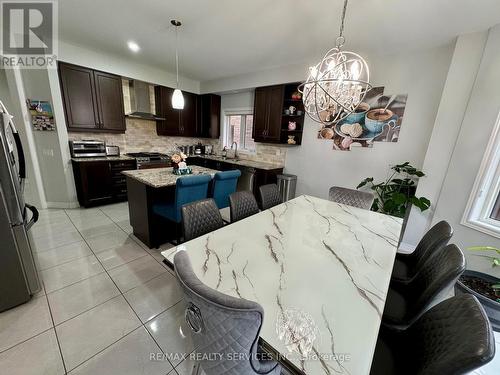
[(163, 102), (278, 115), (177, 122), (268, 107), (199, 118), (209, 126), (93, 100)]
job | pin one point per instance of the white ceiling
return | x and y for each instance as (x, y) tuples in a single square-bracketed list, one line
[(223, 38)]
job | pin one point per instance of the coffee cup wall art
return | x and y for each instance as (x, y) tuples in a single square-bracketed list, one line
[(377, 119)]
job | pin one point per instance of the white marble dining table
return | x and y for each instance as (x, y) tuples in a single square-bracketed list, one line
[(321, 271)]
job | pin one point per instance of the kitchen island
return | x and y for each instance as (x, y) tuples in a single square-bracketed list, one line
[(147, 187)]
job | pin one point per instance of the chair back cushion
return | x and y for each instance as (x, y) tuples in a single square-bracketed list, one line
[(435, 238), (453, 337), (269, 196), (242, 205), (440, 271), (189, 189), (200, 217), (351, 197), (224, 184), (221, 324)]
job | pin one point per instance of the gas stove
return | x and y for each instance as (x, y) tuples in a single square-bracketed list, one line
[(146, 160)]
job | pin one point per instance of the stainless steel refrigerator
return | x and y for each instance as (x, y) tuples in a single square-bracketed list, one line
[(18, 275)]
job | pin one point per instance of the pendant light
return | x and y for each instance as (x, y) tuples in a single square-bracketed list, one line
[(337, 84), (177, 97)]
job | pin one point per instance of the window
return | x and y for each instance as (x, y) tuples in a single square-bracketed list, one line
[(239, 129), (483, 209)]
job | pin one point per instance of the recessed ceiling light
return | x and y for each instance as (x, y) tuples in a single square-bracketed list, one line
[(133, 46)]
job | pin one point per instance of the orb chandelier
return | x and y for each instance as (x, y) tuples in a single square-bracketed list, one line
[(337, 84)]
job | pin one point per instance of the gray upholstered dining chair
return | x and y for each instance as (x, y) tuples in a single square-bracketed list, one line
[(269, 196), (351, 197), (224, 325), (242, 204), (452, 338), (200, 217), (406, 266), (406, 302)]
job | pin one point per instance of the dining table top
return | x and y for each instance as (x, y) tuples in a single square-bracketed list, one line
[(321, 271)]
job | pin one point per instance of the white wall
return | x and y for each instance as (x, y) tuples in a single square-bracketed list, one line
[(102, 60), (421, 76), (460, 81), (478, 123)]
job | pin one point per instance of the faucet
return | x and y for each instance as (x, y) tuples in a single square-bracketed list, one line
[(235, 149)]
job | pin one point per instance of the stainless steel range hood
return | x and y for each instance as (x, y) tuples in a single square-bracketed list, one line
[(140, 101)]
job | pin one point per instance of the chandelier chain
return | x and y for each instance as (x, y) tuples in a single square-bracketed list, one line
[(344, 10)]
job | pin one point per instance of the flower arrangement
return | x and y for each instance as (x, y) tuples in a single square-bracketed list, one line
[(179, 160), (179, 164)]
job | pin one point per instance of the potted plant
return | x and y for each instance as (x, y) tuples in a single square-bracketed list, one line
[(485, 287), (394, 195)]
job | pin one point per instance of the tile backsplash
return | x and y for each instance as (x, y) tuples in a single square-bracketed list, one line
[(141, 136)]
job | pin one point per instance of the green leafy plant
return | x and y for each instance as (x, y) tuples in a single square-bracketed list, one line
[(495, 262), (394, 195)]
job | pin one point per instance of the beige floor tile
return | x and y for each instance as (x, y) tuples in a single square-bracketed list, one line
[(99, 231), (68, 302), (135, 273), (171, 332), (39, 355), (68, 273), (23, 322), (108, 240), (51, 241), (122, 254), (89, 333), (150, 299), (129, 356), (50, 229), (62, 254)]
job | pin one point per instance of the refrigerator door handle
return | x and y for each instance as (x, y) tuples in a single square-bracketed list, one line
[(20, 155), (34, 218)]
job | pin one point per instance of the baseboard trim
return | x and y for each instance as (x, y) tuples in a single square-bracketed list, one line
[(406, 248), (62, 205)]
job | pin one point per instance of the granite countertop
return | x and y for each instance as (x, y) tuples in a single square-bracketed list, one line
[(103, 158), (242, 162), (162, 177), (325, 264)]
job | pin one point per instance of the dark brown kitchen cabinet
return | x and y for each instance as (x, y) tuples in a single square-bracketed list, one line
[(268, 107), (177, 122), (189, 115), (101, 181), (163, 103), (200, 116), (209, 116), (93, 100)]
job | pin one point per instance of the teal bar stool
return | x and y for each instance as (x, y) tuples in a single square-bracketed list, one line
[(187, 189), (223, 185)]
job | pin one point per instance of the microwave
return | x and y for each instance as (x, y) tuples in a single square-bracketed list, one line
[(87, 148)]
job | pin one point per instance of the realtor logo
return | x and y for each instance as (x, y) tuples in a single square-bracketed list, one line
[(28, 33)]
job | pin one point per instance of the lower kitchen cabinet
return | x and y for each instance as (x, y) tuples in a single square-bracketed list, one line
[(101, 181), (251, 178)]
